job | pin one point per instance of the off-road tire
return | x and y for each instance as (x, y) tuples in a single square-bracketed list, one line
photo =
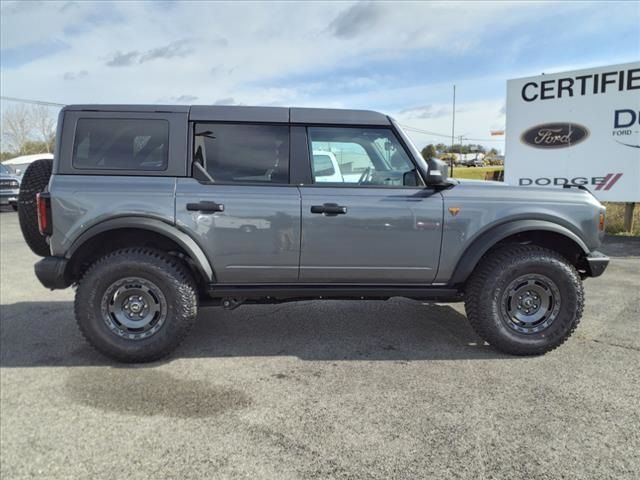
[(166, 272), (34, 181), (487, 285)]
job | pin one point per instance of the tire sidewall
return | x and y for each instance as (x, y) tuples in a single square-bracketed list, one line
[(90, 296), (561, 274)]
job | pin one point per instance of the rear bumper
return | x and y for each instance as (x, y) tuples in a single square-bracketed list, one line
[(51, 272), (596, 263)]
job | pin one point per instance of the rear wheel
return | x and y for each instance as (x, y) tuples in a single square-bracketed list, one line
[(34, 181), (136, 305), (524, 299)]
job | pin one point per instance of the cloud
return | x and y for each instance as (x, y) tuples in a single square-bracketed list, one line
[(119, 59), (391, 57), (180, 99), (226, 101), (35, 22), (179, 48), (16, 8), (24, 54), (356, 19), (219, 41), (425, 111), (75, 75), (186, 99)]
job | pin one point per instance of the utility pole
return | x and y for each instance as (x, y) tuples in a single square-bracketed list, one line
[(461, 138), (453, 128)]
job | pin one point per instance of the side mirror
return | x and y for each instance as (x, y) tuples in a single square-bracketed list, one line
[(438, 173), (410, 179)]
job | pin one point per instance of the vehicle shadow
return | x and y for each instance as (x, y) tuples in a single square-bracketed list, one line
[(45, 334)]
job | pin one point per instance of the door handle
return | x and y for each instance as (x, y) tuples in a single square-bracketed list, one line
[(329, 209), (205, 207)]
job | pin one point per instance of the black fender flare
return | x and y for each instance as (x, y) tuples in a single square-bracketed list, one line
[(478, 247), (170, 231)]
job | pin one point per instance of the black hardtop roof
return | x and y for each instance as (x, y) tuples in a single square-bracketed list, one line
[(236, 113)]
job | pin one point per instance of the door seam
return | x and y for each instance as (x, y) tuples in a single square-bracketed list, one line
[(300, 244)]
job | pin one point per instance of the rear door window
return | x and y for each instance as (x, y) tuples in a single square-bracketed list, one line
[(121, 144), (243, 153)]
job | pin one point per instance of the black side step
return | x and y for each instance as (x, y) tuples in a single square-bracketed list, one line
[(331, 290)]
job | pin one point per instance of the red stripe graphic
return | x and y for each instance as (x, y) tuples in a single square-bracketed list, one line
[(613, 181), (604, 182)]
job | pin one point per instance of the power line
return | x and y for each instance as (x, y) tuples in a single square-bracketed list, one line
[(33, 102), (420, 130), (427, 132), (485, 139)]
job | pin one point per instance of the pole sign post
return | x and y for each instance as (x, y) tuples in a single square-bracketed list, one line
[(580, 127)]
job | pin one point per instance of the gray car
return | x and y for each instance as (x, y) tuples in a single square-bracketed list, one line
[(9, 187), (155, 211)]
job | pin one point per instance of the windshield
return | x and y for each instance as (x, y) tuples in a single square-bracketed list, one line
[(4, 170)]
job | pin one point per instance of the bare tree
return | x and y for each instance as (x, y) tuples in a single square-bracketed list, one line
[(16, 128), (28, 130), (44, 125)]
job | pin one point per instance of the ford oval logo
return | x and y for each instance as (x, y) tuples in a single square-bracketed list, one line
[(554, 135)]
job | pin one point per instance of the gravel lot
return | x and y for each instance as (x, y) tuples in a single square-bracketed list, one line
[(328, 389)]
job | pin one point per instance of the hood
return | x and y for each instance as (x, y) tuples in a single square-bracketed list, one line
[(500, 191), (490, 183)]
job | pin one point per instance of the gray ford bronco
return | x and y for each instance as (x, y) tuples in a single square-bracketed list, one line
[(151, 212)]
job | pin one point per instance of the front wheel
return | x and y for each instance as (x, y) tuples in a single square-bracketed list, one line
[(524, 299), (136, 305)]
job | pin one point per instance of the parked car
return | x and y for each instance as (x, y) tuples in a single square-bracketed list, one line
[(145, 210), (20, 164), (325, 167), (9, 187), (476, 162), (473, 162)]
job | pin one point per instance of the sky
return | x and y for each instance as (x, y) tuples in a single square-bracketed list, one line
[(399, 58)]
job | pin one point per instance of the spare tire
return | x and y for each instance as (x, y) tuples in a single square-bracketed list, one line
[(34, 181)]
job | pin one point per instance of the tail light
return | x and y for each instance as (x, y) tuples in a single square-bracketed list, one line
[(43, 204)]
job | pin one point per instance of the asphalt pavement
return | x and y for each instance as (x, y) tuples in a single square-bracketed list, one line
[(319, 389)]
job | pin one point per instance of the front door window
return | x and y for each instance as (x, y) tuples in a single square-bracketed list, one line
[(358, 156)]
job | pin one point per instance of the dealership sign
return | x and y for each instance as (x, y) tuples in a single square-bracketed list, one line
[(580, 127)]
